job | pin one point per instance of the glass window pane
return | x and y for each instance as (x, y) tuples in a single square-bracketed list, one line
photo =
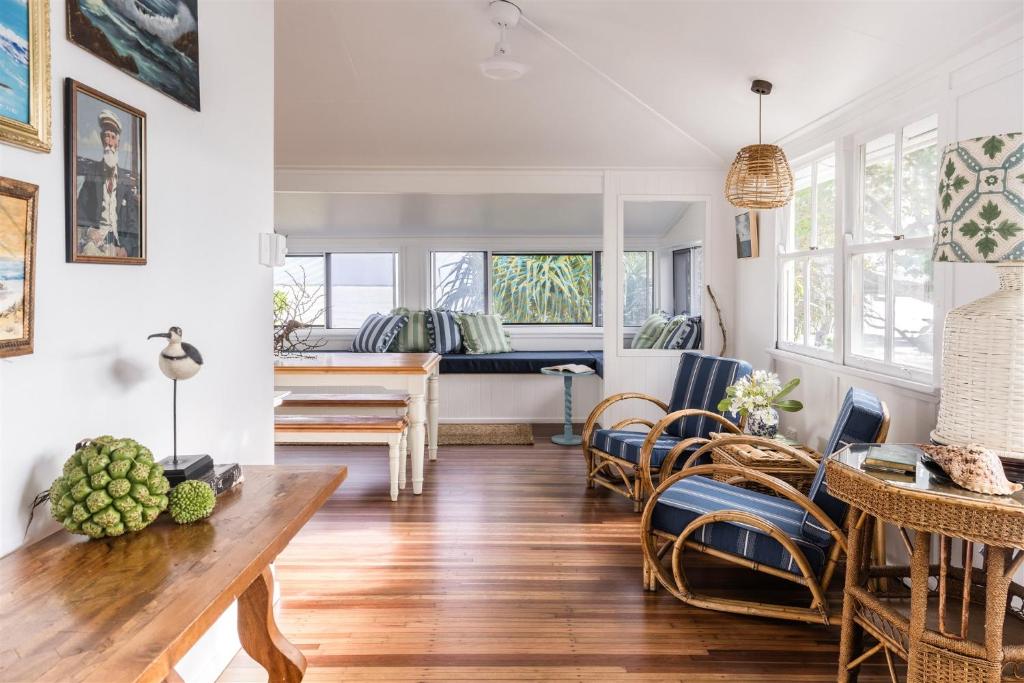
[(867, 301), (361, 284), (299, 290), (460, 281), (543, 288), (822, 304), (826, 194), (879, 163), (793, 308), (920, 165), (913, 313), (800, 240), (638, 272)]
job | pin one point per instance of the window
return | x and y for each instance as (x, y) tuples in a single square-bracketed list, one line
[(531, 289), (638, 272), (807, 317), (688, 281), (891, 315), (459, 280), (299, 292), (360, 284)]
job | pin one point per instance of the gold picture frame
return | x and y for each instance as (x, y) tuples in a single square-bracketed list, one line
[(35, 133), (18, 216)]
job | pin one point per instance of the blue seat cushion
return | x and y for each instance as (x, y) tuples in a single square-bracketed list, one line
[(692, 497), (700, 383), (517, 362), (627, 445)]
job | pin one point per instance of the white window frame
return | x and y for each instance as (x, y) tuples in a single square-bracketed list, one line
[(395, 298), (853, 248), (786, 240)]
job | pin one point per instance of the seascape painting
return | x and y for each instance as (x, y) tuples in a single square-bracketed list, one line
[(157, 41), (17, 251), (14, 71)]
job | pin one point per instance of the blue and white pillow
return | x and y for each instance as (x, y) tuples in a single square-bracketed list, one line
[(443, 331), (686, 336), (377, 333)]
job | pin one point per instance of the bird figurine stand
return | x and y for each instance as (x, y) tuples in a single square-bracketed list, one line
[(181, 361)]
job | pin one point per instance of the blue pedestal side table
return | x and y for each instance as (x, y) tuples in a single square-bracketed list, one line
[(567, 438)]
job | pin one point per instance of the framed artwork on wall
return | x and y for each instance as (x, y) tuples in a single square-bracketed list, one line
[(18, 206), (25, 73), (746, 235), (155, 41), (105, 178)]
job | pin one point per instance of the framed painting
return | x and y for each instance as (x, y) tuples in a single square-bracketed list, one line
[(746, 235), (155, 41), (105, 178), (18, 210), (25, 73)]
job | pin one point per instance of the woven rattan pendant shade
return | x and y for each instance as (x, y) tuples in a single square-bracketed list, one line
[(760, 177)]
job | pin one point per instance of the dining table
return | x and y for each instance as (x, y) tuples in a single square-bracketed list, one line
[(414, 373)]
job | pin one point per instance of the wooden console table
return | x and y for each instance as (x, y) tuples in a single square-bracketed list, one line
[(128, 608)]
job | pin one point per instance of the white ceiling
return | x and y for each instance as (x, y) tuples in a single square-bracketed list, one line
[(301, 214), (391, 83)]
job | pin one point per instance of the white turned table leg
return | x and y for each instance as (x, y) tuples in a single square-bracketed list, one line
[(393, 466), (416, 438), (433, 409), (403, 456)]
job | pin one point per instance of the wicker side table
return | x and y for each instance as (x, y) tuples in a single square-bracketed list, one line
[(776, 463), (965, 628)]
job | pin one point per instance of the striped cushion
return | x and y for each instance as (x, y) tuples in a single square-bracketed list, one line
[(649, 331), (626, 445), (700, 383), (668, 332), (443, 331), (686, 336), (413, 337), (483, 333), (690, 498), (377, 333), (860, 420)]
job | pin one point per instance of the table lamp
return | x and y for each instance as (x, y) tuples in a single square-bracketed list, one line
[(980, 219)]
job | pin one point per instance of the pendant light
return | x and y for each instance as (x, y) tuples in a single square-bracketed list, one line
[(500, 66), (760, 177)]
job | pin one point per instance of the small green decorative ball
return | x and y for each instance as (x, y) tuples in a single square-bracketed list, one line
[(191, 501)]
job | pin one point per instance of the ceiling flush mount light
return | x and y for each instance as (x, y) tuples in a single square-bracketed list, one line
[(500, 66), (760, 177)]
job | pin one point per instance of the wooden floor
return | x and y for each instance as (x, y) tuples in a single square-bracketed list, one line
[(507, 568)]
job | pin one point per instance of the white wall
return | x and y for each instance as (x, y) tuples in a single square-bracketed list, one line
[(210, 192), (978, 92)]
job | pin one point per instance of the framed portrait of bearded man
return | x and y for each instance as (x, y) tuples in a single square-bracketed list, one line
[(105, 178)]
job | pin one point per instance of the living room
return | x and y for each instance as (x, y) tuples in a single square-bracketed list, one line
[(548, 277)]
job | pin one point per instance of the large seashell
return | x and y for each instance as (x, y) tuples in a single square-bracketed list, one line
[(973, 467)]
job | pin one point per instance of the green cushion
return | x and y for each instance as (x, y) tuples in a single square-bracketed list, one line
[(649, 331), (413, 337), (483, 333), (666, 333)]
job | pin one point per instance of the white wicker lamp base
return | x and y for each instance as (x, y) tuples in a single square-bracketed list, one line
[(983, 369)]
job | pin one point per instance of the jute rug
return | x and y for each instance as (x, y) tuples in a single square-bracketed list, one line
[(449, 434)]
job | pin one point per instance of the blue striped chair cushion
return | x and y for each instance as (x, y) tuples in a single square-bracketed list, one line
[(443, 331), (627, 445), (692, 497), (860, 420), (700, 383), (377, 333)]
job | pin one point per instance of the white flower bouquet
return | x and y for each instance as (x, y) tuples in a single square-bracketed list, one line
[(759, 393)]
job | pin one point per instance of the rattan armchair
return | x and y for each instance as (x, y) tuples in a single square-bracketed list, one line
[(784, 533), (631, 462)]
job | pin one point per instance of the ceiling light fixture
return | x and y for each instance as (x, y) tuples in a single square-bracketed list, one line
[(760, 177), (500, 66)]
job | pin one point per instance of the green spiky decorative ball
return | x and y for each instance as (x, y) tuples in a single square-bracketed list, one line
[(109, 486), (191, 501)]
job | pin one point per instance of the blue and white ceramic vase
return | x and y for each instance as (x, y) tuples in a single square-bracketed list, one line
[(764, 422)]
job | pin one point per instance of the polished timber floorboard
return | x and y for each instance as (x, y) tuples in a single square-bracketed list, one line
[(507, 568)]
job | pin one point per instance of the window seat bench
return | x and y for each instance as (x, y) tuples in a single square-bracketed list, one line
[(517, 362)]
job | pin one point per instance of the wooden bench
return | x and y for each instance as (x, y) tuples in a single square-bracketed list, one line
[(355, 429), (384, 403)]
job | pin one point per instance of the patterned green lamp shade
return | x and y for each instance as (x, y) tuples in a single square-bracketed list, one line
[(980, 210)]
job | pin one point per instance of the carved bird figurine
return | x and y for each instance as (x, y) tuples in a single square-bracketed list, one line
[(178, 360)]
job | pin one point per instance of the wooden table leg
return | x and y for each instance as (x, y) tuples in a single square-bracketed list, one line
[(260, 636), (416, 440), (433, 408), (850, 638)]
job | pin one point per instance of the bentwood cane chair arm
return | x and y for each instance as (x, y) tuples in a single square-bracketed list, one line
[(748, 474), (644, 465), (591, 423)]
